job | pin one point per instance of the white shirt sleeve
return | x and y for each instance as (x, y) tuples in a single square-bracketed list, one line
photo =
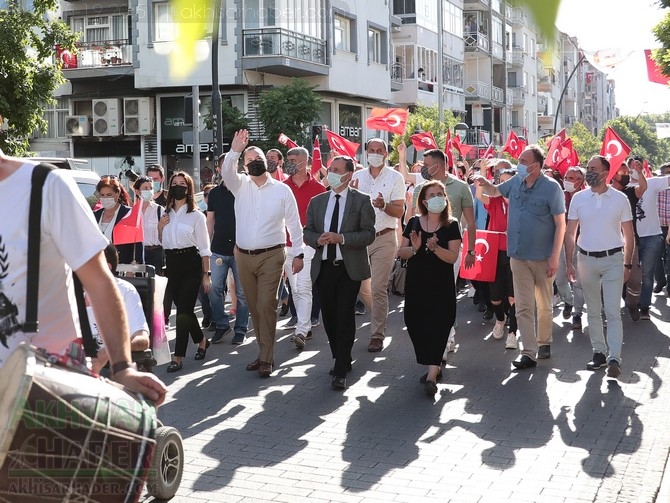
[(231, 177)]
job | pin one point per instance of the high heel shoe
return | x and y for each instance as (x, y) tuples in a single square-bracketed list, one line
[(201, 353)]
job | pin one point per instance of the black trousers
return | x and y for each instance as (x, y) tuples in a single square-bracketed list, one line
[(337, 292), (184, 274)]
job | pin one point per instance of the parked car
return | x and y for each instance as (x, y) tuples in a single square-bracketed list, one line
[(86, 179), (64, 162)]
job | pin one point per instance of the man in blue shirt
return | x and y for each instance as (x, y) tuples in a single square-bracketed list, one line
[(534, 242)]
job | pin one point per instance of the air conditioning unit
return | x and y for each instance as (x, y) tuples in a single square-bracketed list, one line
[(77, 125), (138, 116), (106, 117)]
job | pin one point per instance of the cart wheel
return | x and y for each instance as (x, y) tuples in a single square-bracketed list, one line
[(167, 464)]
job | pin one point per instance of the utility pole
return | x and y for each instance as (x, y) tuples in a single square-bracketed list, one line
[(217, 128), (440, 62)]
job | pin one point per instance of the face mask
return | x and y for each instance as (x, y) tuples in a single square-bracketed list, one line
[(146, 195), (335, 180), (291, 168), (256, 167), (522, 171), (178, 192), (107, 202), (593, 178), (624, 180), (202, 205), (272, 166), (569, 186), (426, 172), (436, 204), (157, 186), (633, 177), (375, 160)]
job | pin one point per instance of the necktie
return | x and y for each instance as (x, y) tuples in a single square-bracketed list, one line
[(334, 223)]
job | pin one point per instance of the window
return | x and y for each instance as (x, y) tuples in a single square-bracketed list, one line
[(525, 43), (54, 114), (515, 118), (533, 49), (163, 23), (259, 13), (342, 27), (101, 28), (404, 7), (452, 18), (375, 53), (511, 79), (452, 72)]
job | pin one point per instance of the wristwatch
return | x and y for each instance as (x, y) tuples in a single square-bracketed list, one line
[(300, 256), (471, 253), (628, 266)]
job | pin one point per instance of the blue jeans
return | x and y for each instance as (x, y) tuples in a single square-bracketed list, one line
[(219, 265), (604, 274), (649, 251)]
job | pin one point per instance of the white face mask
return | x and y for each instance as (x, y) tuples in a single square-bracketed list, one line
[(569, 186), (375, 160), (147, 195), (107, 202), (633, 177)]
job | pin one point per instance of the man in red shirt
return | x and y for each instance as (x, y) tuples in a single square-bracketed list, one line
[(304, 188), (275, 163)]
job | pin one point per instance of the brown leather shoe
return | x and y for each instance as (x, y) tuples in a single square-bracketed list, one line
[(376, 345), (265, 369), (254, 365)]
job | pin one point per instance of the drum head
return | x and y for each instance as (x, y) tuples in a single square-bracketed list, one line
[(17, 378)]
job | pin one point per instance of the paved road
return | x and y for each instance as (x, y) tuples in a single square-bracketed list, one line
[(556, 433)]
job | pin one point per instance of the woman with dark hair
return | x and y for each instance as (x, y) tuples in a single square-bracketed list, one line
[(115, 206), (151, 214), (183, 232), (431, 244)]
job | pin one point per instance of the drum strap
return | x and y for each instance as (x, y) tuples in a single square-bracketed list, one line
[(31, 325)]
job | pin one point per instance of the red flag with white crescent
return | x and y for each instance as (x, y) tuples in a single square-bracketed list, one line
[(489, 153), (316, 157), (342, 146), (130, 228), (514, 146), (423, 141), (286, 141), (486, 256), (463, 148), (615, 150), (554, 148), (567, 157), (388, 119)]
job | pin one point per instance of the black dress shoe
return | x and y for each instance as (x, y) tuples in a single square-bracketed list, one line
[(332, 371), (200, 353), (174, 366), (339, 382), (525, 362)]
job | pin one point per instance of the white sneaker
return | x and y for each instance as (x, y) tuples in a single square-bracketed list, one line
[(511, 342), (499, 329), (451, 343)]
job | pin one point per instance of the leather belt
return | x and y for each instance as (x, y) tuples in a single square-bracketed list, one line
[(260, 250), (601, 254), (334, 263), (152, 247), (383, 231), (180, 251)]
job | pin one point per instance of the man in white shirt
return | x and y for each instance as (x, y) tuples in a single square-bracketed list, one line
[(386, 188), (264, 208), (603, 214)]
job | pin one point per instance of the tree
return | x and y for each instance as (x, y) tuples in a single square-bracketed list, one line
[(424, 119), (290, 109), (28, 73), (231, 118), (584, 142)]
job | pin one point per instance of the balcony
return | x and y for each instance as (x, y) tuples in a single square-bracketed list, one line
[(518, 95), (107, 57), (478, 136), (477, 91), (570, 94), (284, 52), (397, 72), (518, 57), (517, 16), (476, 4), (497, 94), (545, 84), (476, 42)]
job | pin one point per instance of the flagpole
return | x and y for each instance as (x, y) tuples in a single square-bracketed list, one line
[(565, 89)]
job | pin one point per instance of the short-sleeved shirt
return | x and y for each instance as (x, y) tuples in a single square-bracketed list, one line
[(458, 194), (132, 302), (222, 202), (303, 195), (600, 217), (530, 224), (391, 184), (646, 214)]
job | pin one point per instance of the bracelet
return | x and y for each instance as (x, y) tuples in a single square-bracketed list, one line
[(119, 366), (384, 207), (208, 273), (413, 250), (628, 266)]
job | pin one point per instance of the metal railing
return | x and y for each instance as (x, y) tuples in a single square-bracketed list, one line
[(281, 42), (477, 89), (474, 41), (97, 54), (497, 94), (397, 72), (518, 57)]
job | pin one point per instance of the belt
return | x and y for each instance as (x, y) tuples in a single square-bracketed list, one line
[(334, 263), (383, 231), (180, 251), (152, 247), (601, 254), (260, 250)]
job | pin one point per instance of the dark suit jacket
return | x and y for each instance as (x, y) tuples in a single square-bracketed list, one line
[(125, 251), (357, 226)]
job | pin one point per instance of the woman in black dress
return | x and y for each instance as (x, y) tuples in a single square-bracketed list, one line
[(431, 244)]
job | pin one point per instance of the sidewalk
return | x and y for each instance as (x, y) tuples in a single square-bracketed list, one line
[(555, 433)]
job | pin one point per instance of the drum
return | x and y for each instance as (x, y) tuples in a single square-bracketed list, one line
[(68, 436)]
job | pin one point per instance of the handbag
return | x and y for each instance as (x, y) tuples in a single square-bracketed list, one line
[(398, 277)]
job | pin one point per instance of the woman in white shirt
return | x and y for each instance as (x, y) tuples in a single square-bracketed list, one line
[(183, 232), (151, 214)]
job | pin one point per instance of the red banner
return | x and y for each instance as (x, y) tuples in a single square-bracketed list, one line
[(486, 256), (130, 228)]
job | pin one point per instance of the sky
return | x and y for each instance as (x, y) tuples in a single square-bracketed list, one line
[(620, 24)]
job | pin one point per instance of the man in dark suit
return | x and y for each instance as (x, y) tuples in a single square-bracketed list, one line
[(340, 226)]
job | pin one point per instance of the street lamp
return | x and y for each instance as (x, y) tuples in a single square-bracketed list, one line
[(461, 129)]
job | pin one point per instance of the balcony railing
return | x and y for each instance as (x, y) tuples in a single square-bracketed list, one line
[(517, 94), (518, 16), (281, 42), (518, 57), (478, 90), (97, 54), (475, 41), (497, 94), (397, 72)]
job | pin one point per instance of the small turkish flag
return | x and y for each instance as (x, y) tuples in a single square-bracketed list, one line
[(286, 141), (462, 148), (654, 72), (514, 146), (130, 228), (489, 153), (554, 149), (486, 256), (316, 157), (448, 150), (422, 141), (391, 119), (567, 157), (615, 150), (342, 146)]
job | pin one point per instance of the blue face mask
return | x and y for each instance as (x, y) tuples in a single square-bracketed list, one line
[(521, 171), (157, 186)]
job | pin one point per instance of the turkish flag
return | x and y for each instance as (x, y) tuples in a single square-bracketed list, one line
[(462, 148), (388, 119), (448, 150), (423, 141), (615, 150), (286, 141), (654, 72), (316, 157), (567, 157), (340, 145), (647, 169), (130, 228), (554, 149), (514, 146), (489, 153), (486, 256)]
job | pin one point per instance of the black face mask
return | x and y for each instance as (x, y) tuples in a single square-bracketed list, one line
[(178, 192), (256, 168), (624, 180)]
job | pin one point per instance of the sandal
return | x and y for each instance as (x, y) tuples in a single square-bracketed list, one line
[(174, 366), (201, 353)]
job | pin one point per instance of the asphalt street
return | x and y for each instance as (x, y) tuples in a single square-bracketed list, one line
[(554, 433)]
